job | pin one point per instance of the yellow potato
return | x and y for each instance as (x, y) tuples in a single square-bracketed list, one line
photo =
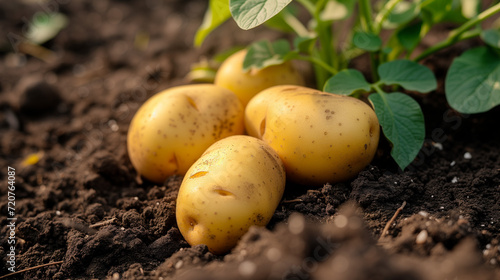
[(238, 182), (320, 137), (174, 127), (247, 84)]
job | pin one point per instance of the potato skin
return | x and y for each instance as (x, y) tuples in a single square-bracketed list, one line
[(320, 137), (173, 128), (238, 182), (247, 84)]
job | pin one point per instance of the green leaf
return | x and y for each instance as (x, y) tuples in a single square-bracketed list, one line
[(408, 74), (262, 54), (45, 26), (437, 11), (347, 82), (367, 41), (251, 13), (337, 10), (472, 84), (403, 13), (409, 36), (403, 124), (216, 14), (304, 44), (491, 37)]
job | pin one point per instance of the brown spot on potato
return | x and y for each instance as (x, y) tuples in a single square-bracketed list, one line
[(259, 217)]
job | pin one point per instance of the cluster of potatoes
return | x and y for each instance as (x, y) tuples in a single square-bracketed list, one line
[(231, 180)]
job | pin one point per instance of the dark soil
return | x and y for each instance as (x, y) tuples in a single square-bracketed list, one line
[(82, 204)]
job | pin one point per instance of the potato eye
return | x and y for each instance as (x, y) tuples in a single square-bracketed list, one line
[(191, 221), (262, 127), (192, 103), (223, 192), (198, 174)]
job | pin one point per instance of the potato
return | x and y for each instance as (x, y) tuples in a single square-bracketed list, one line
[(173, 128), (320, 137), (238, 182), (247, 84)]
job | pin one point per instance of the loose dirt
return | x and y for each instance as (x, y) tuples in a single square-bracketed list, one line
[(81, 203)]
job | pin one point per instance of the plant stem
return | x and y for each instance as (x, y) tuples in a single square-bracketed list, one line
[(296, 25), (376, 87), (446, 43), (374, 65), (326, 51), (318, 62), (366, 15), (475, 20), (461, 32), (383, 14), (325, 40), (367, 24)]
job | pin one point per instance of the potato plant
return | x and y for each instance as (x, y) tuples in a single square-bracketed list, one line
[(471, 83)]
